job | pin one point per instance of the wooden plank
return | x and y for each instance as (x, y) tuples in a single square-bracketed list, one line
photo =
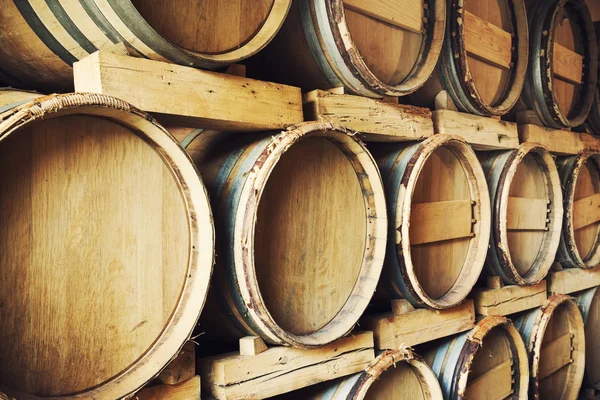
[(557, 141), (440, 220), (481, 132), (571, 280), (190, 97), (375, 120), (187, 390), (252, 345), (526, 214), (408, 16), (283, 369), (487, 41), (555, 355), (509, 299), (420, 326), (586, 211), (495, 384), (182, 368), (567, 64)]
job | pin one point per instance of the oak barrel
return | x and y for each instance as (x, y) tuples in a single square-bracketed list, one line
[(301, 220), (580, 238), (561, 81), (41, 40), (394, 374), (488, 362), (439, 213), (527, 213), (484, 57), (555, 339), (589, 303), (373, 48), (107, 246)]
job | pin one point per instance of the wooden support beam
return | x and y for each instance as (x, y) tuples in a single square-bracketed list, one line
[(586, 211), (526, 214), (190, 97), (182, 368), (481, 133), (557, 141), (567, 64), (487, 42), (408, 15), (187, 390), (374, 120), (280, 370), (495, 384), (419, 326), (555, 355), (440, 220), (571, 280), (509, 300)]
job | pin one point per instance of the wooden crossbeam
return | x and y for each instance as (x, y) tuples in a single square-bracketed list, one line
[(555, 355), (567, 64), (526, 214), (495, 384), (586, 211), (408, 16), (440, 220), (487, 42)]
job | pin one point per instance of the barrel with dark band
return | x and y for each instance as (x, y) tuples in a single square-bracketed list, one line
[(488, 362), (107, 246), (290, 209), (372, 48), (41, 40), (555, 339), (484, 58), (580, 238), (589, 303), (562, 75), (527, 213), (593, 120), (439, 212)]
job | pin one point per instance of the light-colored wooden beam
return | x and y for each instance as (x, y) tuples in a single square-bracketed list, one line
[(556, 355), (251, 346), (571, 280), (557, 141), (190, 97), (526, 214), (495, 384), (586, 211), (441, 220), (567, 64), (509, 300), (487, 42), (408, 15)]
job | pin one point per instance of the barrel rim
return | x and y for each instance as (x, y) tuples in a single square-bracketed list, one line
[(367, 84), (584, 300), (535, 343), (179, 328), (390, 358), (477, 251), (465, 93), (551, 239), (375, 235), (568, 231)]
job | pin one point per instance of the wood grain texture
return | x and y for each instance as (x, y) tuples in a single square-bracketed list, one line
[(585, 208), (509, 299), (571, 280), (557, 141), (182, 368), (527, 214), (567, 64), (441, 220), (487, 42), (586, 211), (187, 390), (407, 15), (398, 382), (556, 354), (495, 384), (190, 97)]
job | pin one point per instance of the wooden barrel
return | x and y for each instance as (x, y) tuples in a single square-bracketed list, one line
[(107, 246), (394, 374), (527, 213), (593, 120), (488, 362), (40, 40), (439, 213), (555, 339), (372, 48), (589, 303), (484, 58), (561, 82), (580, 238), (290, 210)]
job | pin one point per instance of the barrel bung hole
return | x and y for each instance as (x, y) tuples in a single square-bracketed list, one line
[(84, 208), (206, 26), (309, 235)]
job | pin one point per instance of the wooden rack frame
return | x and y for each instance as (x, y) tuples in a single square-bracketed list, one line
[(498, 299)]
